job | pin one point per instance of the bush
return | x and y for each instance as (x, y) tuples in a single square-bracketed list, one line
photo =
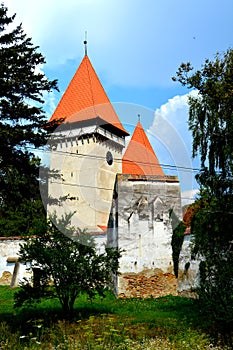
[(64, 266)]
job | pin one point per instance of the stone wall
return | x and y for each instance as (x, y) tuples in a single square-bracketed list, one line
[(11, 271), (188, 275), (152, 283), (141, 227)]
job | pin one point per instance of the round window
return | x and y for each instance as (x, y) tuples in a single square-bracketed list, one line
[(109, 158)]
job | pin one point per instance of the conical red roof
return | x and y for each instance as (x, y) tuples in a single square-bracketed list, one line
[(139, 157), (85, 99)]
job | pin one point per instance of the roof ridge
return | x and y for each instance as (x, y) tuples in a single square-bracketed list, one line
[(146, 144), (89, 76)]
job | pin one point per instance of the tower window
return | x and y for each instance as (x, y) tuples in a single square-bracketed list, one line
[(109, 158)]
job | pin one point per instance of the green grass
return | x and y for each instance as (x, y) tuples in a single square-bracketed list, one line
[(109, 323)]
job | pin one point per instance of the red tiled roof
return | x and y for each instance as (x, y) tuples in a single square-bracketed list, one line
[(102, 227), (139, 157), (85, 99)]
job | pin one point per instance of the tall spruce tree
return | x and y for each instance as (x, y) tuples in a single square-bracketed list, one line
[(211, 124), (22, 128)]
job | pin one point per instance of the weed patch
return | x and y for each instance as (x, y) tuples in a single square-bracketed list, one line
[(104, 324)]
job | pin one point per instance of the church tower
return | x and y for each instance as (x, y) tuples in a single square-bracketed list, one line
[(125, 195), (86, 151)]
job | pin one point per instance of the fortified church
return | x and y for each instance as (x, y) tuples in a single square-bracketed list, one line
[(120, 194)]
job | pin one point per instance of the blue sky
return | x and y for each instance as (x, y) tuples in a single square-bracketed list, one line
[(135, 47)]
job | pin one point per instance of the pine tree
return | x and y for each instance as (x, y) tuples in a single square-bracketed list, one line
[(22, 128)]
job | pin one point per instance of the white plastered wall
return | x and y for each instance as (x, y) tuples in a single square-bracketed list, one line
[(87, 178), (144, 231)]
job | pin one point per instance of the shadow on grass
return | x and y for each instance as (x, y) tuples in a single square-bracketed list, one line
[(168, 316), (153, 311), (49, 312)]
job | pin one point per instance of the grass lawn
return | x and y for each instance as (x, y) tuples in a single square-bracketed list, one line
[(109, 323)]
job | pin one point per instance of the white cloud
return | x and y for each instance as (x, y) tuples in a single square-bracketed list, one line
[(50, 103), (59, 27), (175, 111), (170, 130), (188, 197), (132, 43)]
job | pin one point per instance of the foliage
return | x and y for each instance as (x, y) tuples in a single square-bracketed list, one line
[(189, 211), (211, 112), (212, 227), (178, 229), (211, 123), (27, 218), (65, 265), (22, 127), (177, 241)]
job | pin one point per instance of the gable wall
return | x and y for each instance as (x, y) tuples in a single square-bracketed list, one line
[(142, 224)]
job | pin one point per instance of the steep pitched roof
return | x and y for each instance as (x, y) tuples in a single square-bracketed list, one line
[(139, 157), (85, 99)]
